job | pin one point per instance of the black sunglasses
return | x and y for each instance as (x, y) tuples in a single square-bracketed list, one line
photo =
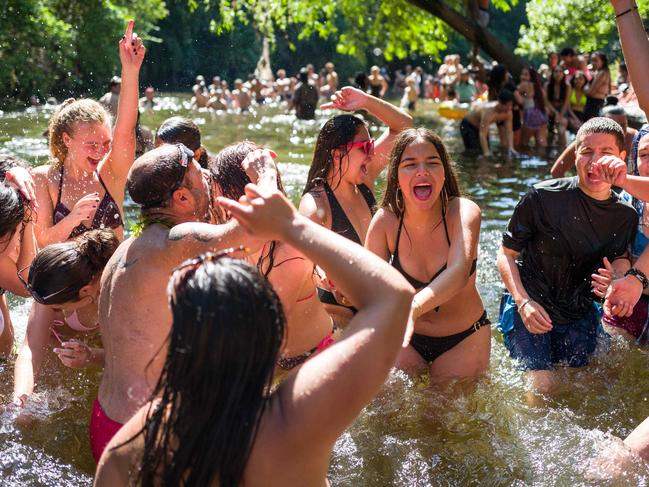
[(37, 297)]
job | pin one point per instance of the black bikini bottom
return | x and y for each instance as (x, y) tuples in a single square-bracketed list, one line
[(327, 297), (432, 347)]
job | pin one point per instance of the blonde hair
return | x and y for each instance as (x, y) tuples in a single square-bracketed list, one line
[(70, 112)]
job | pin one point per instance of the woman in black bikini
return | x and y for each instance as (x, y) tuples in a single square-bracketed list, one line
[(346, 162), (430, 234)]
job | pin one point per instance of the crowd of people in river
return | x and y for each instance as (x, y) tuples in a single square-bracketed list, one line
[(203, 317)]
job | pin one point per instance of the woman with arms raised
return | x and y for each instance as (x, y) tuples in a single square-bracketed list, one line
[(212, 419), (309, 329), (83, 187), (430, 234), (346, 162)]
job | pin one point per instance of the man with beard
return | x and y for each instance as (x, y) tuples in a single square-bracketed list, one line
[(173, 193)]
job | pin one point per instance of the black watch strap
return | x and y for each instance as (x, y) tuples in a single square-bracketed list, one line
[(638, 274)]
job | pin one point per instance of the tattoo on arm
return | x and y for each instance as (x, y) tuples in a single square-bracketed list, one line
[(197, 235)]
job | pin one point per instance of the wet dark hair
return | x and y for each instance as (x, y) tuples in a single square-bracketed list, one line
[(60, 270), (567, 51), (335, 133), (361, 81), (14, 211), (505, 96), (153, 175), (404, 139), (183, 130), (227, 330), (600, 125), (563, 88), (539, 99), (227, 172), (497, 79), (303, 76)]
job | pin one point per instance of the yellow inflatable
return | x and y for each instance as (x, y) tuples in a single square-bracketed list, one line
[(453, 110)]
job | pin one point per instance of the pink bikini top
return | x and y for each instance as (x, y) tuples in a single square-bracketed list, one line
[(73, 322)]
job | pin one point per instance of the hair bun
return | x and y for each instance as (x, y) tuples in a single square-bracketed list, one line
[(97, 246)]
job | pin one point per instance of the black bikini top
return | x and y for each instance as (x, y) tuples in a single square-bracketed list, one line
[(339, 221), (107, 214), (416, 283)]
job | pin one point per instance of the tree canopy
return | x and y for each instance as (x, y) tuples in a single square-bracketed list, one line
[(586, 25)]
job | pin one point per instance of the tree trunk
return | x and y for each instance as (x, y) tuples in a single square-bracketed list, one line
[(470, 29)]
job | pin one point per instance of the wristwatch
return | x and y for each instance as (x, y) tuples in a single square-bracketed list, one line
[(639, 275)]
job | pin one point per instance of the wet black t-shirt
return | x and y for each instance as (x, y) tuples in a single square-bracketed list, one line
[(562, 236)]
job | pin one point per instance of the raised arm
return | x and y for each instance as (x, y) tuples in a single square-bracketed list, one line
[(313, 406), (350, 99), (114, 169), (565, 162), (464, 249), (635, 46)]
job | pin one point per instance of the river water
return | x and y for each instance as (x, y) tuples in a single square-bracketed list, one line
[(411, 434)]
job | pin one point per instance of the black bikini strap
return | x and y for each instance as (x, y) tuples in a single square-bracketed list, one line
[(448, 240), (101, 181), (58, 198), (396, 245), (368, 195)]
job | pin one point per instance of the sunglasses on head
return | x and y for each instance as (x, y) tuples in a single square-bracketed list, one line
[(186, 155), (366, 145), (184, 271), (34, 294)]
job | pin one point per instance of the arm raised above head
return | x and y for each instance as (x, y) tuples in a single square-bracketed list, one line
[(635, 47), (315, 404)]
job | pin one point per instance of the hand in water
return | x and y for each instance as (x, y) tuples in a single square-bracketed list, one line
[(131, 50), (260, 167), (347, 99), (74, 354), (264, 213), (21, 179), (84, 209), (611, 169), (535, 318), (622, 296), (602, 280)]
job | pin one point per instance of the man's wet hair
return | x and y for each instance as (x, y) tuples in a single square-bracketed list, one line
[(567, 51), (303, 76), (601, 125), (505, 96)]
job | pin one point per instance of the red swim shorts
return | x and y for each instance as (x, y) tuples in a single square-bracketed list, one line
[(102, 429)]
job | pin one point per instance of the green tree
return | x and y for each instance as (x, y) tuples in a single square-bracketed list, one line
[(399, 27), (586, 25), (65, 47)]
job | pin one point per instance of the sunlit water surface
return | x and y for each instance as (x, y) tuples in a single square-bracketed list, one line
[(411, 434)]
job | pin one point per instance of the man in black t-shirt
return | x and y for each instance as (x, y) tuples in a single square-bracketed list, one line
[(561, 232)]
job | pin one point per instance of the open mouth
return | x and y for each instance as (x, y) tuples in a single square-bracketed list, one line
[(93, 162), (422, 191)]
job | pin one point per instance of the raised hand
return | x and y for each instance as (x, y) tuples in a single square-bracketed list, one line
[(602, 280), (622, 296), (260, 168), (131, 50), (263, 213), (347, 99), (611, 169), (21, 179)]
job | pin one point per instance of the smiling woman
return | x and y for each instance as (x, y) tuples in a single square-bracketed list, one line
[(422, 210)]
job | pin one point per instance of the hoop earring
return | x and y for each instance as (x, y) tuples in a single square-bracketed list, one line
[(399, 196)]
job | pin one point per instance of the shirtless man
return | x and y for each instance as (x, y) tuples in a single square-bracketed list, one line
[(135, 319), (330, 87), (474, 127), (241, 96), (201, 96)]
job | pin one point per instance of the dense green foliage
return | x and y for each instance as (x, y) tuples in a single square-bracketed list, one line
[(587, 25), (63, 47)]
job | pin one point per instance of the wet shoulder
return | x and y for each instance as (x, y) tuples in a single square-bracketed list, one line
[(315, 206)]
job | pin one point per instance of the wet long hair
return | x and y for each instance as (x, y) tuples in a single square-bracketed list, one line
[(335, 134), (14, 210), (227, 330), (59, 271), (539, 99), (227, 172), (563, 88), (392, 198), (183, 130), (497, 79)]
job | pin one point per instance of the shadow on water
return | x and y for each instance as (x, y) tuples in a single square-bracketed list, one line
[(412, 434)]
